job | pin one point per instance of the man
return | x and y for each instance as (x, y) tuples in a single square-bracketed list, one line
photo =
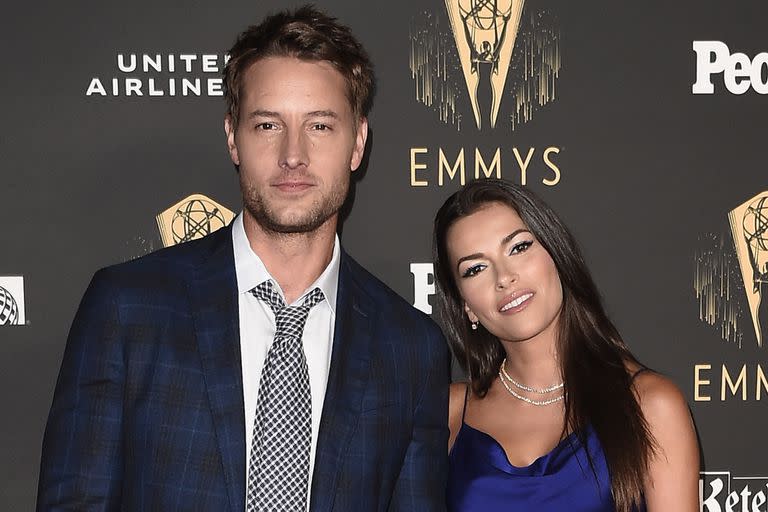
[(188, 384)]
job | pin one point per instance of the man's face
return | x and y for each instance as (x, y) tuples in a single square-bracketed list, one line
[(296, 143)]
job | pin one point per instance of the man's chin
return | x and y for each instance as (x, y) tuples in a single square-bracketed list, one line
[(288, 223), (293, 228)]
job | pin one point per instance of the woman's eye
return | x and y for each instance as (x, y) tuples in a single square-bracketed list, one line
[(473, 270), (520, 247)]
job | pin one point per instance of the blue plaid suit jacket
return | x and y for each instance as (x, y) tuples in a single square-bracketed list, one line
[(148, 408)]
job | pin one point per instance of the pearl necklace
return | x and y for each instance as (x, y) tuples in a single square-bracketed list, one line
[(502, 373), (542, 391)]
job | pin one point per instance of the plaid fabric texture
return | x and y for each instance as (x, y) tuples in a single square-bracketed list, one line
[(148, 409)]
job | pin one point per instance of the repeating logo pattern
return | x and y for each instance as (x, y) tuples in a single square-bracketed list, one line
[(485, 32), (159, 75), (191, 218), (12, 311), (749, 227), (721, 491), (739, 72), (494, 49), (731, 274)]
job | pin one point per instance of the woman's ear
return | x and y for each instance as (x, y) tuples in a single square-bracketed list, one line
[(472, 317)]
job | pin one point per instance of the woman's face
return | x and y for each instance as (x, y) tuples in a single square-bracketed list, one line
[(508, 281)]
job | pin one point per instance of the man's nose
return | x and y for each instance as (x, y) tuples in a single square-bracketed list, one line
[(293, 150)]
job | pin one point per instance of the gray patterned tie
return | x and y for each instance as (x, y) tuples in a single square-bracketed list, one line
[(279, 467)]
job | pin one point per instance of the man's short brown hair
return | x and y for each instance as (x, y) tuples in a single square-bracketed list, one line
[(305, 34)]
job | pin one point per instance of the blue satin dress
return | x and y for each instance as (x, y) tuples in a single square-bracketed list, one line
[(482, 479)]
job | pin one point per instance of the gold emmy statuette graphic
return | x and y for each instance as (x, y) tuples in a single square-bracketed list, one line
[(485, 32), (749, 227), (192, 217)]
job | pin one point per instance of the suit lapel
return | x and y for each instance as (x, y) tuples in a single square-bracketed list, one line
[(347, 380), (213, 295)]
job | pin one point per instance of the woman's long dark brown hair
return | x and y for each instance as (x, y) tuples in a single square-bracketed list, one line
[(592, 355)]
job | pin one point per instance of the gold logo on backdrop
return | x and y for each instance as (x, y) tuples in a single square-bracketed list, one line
[(490, 49), (749, 228), (485, 32), (192, 217), (726, 263)]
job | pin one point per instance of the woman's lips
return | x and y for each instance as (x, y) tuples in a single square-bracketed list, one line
[(515, 302)]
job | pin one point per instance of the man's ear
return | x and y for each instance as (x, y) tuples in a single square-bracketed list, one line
[(359, 149), (229, 130)]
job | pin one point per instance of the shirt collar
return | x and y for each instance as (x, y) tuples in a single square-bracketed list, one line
[(251, 271)]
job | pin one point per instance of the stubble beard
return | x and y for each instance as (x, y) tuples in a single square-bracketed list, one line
[(308, 221)]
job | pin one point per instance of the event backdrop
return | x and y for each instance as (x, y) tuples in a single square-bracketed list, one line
[(642, 123)]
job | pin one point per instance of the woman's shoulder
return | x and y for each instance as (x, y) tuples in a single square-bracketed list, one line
[(674, 464), (659, 397), (456, 404), (458, 388), (458, 393)]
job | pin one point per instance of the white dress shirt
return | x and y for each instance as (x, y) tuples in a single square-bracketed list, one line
[(257, 330)]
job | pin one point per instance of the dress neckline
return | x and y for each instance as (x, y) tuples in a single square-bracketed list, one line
[(498, 456)]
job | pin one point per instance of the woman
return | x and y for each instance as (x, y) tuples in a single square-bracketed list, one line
[(557, 414)]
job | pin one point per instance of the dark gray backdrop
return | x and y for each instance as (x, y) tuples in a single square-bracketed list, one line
[(649, 172)]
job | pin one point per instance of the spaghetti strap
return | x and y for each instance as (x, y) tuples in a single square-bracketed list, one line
[(464, 407), (638, 372)]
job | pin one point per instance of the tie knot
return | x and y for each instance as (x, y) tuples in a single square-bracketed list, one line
[(289, 320)]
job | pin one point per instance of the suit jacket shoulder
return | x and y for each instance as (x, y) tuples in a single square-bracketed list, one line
[(174, 261), (162, 277), (153, 351), (386, 302)]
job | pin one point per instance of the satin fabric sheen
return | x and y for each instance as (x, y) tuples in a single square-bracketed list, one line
[(482, 479)]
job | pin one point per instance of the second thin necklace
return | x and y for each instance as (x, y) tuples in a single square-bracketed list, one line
[(539, 391), (504, 376)]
